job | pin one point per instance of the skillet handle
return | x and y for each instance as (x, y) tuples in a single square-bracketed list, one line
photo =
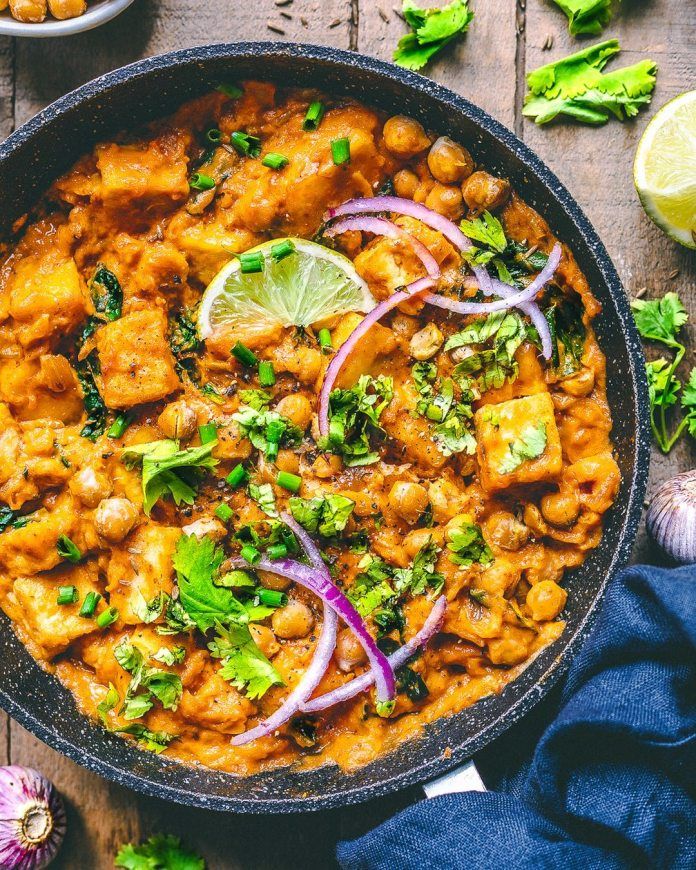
[(464, 778)]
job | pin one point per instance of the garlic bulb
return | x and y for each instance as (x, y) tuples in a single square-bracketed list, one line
[(32, 819), (671, 518)]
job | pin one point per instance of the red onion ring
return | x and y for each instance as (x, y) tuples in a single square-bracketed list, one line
[(420, 212), (353, 687), (320, 583), (320, 660), (345, 349)]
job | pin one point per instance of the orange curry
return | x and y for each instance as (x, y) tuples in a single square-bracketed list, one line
[(482, 472)]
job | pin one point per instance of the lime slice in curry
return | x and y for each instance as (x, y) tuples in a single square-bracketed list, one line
[(665, 169), (284, 282)]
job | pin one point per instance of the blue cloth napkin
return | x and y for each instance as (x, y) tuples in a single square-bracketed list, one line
[(610, 783)]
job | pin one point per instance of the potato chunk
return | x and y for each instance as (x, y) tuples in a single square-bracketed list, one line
[(137, 365), (501, 428), (47, 299), (141, 570)]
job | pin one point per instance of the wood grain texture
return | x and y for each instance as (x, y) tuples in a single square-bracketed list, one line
[(487, 67)]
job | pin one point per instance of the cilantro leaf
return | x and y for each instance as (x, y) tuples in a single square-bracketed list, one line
[(107, 294), (159, 477), (492, 366), (486, 229), (263, 495), (688, 403), (421, 577), (586, 16), (576, 86), (431, 30), (371, 587), (243, 663), (354, 415), (660, 319), (327, 515), (663, 386), (197, 562), (530, 445), (437, 403), (161, 852), (265, 429), (110, 702), (467, 545), (165, 686)]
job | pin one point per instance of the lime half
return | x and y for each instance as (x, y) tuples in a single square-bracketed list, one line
[(665, 169), (306, 285)]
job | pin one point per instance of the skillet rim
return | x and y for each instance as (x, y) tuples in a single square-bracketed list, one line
[(632, 492)]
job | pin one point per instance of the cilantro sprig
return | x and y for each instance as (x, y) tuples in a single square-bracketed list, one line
[(451, 414), (431, 31), (161, 852), (576, 86), (586, 16), (354, 417), (326, 515), (661, 320)]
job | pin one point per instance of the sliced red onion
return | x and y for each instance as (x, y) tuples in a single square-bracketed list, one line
[(348, 690), (416, 210), (320, 583), (320, 660), (32, 819), (346, 348)]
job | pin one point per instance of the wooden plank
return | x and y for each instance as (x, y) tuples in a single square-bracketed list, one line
[(480, 66), (596, 165)]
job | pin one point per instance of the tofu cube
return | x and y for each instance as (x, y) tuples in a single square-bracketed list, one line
[(137, 365), (378, 342), (501, 432)]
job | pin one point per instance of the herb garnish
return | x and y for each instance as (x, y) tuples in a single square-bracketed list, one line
[(437, 403), (161, 852), (564, 316), (107, 294), (492, 365), (163, 686), (94, 404), (467, 545), (266, 430), (326, 515), (530, 445), (354, 416), (431, 31), (586, 16)]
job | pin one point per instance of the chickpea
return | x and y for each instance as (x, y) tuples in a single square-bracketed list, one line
[(274, 581), (561, 508), (507, 532), (297, 408), (326, 466), (418, 538), (426, 343), (288, 460), (449, 162), (580, 384), (90, 486), (349, 653), (178, 420), (446, 499), (545, 600), (405, 137), (406, 183), (264, 639), (206, 527), (293, 621), (67, 8), (114, 518), (512, 648), (32, 11), (408, 500), (447, 201), (484, 192)]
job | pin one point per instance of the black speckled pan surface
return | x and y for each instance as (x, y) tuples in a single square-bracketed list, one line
[(48, 144)]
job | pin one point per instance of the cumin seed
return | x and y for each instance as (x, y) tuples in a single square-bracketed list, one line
[(383, 15), (275, 28), (334, 23), (674, 273)]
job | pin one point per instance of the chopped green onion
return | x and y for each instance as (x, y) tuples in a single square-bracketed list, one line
[(315, 113), (266, 373), (340, 151), (107, 617), (224, 512), (272, 451), (89, 605), (277, 551), (282, 250), (119, 426), (249, 146), (230, 90), (274, 431), (237, 476), (201, 181), (245, 356), (207, 432), (432, 412), (67, 595), (68, 550), (214, 136), (275, 161), (250, 554), (270, 597), (289, 481), (250, 262), (325, 339)]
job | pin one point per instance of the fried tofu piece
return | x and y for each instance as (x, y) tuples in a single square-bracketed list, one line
[(518, 442), (137, 365), (46, 626), (47, 299), (141, 570)]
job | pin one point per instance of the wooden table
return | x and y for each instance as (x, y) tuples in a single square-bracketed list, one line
[(506, 39)]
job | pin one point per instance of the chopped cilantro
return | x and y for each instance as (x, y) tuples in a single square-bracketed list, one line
[(431, 30), (107, 294), (327, 515), (266, 430), (264, 497), (530, 445), (161, 852), (166, 470), (68, 550), (154, 741), (354, 415), (576, 86), (467, 545), (486, 229), (243, 663), (169, 655), (97, 412), (492, 365), (184, 342), (452, 432), (421, 577), (110, 702), (564, 316), (259, 400), (372, 588), (165, 686), (586, 16)]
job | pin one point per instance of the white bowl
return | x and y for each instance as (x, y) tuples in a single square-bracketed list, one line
[(96, 14)]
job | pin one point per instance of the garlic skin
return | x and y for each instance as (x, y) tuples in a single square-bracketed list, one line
[(671, 517), (32, 819)]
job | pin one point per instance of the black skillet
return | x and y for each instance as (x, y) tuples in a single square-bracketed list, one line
[(48, 144)]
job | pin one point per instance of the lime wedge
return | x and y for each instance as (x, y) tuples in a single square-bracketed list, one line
[(665, 169), (307, 285)]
